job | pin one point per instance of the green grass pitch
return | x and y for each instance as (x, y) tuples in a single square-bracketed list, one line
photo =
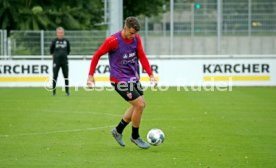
[(202, 129)]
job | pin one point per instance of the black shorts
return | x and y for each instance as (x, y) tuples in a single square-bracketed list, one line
[(129, 91)]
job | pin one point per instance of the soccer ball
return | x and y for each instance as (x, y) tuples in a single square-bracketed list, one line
[(155, 136)]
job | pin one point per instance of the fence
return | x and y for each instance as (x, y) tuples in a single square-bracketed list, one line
[(3, 43), (38, 42), (205, 27), (213, 27)]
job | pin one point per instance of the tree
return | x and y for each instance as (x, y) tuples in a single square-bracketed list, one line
[(72, 15), (143, 7), (36, 15), (8, 13), (34, 19), (77, 14)]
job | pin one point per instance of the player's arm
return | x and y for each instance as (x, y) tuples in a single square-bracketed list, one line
[(109, 44), (52, 48), (144, 61), (68, 47)]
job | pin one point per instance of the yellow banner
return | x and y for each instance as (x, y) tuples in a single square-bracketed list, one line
[(237, 78), (106, 79), (25, 79)]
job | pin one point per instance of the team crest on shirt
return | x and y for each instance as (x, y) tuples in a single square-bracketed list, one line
[(61, 44), (129, 95)]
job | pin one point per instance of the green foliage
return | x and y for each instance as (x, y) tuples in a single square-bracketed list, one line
[(143, 7), (9, 15), (72, 15), (47, 15)]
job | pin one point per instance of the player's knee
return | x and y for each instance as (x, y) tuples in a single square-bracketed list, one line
[(140, 105)]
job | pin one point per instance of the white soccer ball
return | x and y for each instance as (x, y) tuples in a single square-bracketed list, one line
[(155, 136)]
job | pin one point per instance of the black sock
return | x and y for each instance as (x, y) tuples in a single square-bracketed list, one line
[(54, 86), (121, 126), (67, 86), (135, 132)]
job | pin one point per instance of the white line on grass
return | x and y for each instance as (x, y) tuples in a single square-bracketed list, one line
[(81, 112), (56, 132)]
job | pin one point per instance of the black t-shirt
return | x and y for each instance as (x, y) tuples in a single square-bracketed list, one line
[(60, 49)]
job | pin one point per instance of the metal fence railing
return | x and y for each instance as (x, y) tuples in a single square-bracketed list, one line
[(38, 42), (213, 27), (1, 42), (204, 27)]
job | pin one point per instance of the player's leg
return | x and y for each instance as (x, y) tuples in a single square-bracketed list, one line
[(134, 113), (117, 131), (56, 67), (138, 108), (138, 105), (125, 120), (65, 71), (125, 91), (128, 114)]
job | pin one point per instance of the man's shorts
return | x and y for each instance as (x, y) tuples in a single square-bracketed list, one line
[(129, 91)]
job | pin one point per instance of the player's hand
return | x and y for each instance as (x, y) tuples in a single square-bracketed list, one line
[(90, 81), (153, 81)]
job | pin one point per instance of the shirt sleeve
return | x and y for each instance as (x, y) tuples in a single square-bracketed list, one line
[(142, 57), (109, 44), (52, 47), (68, 47)]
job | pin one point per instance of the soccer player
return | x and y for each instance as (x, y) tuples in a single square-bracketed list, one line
[(60, 49), (124, 49)]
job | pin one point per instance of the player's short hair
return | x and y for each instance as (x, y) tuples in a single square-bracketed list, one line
[(60, 28), (132, 22)]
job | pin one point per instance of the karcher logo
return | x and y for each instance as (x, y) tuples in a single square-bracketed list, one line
[(23, 69), (103, 69), (24, 73), (235, 68), (236, 72)]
